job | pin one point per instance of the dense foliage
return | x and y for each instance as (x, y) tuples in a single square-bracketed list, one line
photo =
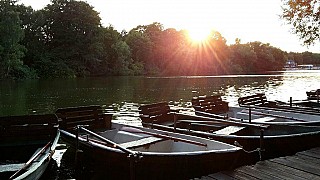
[(66, 39), (304, 16)]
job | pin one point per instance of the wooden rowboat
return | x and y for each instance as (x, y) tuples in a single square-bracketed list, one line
[(260, 100), (256, 109), (270, 140), (312, 101), (27, 144), (261, 115), (129, 152), (313, 95)]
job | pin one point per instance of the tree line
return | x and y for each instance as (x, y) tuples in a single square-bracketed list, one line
[(66, 39)]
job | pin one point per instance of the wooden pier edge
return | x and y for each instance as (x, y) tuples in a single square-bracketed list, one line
[(302, 165)]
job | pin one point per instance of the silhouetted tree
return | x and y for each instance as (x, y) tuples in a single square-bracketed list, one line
[(303, 15)]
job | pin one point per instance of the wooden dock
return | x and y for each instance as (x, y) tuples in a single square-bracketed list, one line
[(303, 165)]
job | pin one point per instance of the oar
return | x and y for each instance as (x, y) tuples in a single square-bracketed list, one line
[(232, 121), (134, 130), (115, 145), (28, 163), (279, 116)]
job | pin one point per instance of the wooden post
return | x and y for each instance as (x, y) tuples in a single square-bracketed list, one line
[(77, 142), (317, 93), (132, 160), (107, 120), (261, 143), (174, 122), (290, 101), (78, 155), (249, 114)]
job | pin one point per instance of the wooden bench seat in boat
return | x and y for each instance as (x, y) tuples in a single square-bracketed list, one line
[(210, 104), (263, 119), (313, 95), (93, 116), (256, 100), (141, 142), (229, 130), (255, 116), (157, 112), (39, 126)]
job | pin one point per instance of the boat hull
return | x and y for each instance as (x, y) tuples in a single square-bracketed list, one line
[(277, 139), (263, 116), (154, 164), (27, 145)]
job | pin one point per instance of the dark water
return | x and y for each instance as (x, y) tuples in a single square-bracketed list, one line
[(123, 95), (45, 96)]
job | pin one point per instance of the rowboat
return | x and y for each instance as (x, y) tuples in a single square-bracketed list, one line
[(268, 141), (255, 109), (256, 114), (261, 115), (131, 152), (312, 100), (260, 100), (27, 144), (313, 95)]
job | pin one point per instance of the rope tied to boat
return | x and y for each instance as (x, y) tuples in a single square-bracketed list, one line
[(259, 150)]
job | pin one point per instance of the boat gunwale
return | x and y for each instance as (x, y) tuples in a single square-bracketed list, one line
[(183, 153)]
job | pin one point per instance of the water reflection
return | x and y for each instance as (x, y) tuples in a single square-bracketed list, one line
[(45, 96)]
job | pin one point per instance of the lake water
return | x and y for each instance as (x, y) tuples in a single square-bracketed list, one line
[(45, 96), (123, 95)]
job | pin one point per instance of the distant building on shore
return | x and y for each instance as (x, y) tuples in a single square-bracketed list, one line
[(290, 64), (305, 66)]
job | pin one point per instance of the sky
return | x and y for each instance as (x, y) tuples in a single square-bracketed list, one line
[(248, 20)]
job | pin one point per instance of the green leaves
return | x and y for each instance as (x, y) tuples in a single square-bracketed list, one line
[(11, 51), (304, 16)]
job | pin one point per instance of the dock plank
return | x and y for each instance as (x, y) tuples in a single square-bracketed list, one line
[(298, 165), (313, 154), (220, 175), (237, 175), (301, 166), (257, 173), (287, 172), (308, 158)]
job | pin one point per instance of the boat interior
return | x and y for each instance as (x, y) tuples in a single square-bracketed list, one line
[(21, 138)]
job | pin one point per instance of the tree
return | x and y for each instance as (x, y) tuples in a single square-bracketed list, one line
[(141, 48), (304, 16), (242, 58), (11, 34), (71, 31), (123, 60)]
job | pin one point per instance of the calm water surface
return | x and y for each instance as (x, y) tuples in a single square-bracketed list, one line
[(45, 96), (123, 95)]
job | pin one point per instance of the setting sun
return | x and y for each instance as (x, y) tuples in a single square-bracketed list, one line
[(198, 35)]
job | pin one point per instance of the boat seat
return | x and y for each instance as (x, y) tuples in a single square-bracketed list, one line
[(210, 104), (229, 130), (263, 119), (245, 115), (11, 167), (141, 142), (259, 99)]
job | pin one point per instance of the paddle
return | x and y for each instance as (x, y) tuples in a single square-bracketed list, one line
[(232, 121), (135, 130), (27, 164), (303, 110), (115, 145)]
